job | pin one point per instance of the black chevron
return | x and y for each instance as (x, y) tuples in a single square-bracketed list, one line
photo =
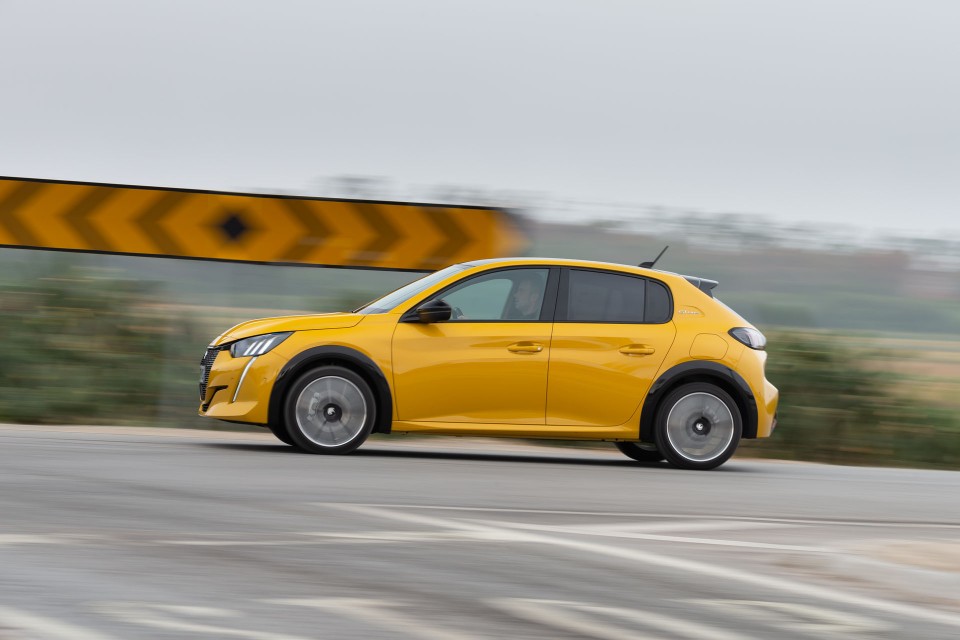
[(151, 217), (78, 217), (316, 231), (17, 197)]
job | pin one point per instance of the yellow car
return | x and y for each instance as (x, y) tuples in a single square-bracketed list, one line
[(518, 347)]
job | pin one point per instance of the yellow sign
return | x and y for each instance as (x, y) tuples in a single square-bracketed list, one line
[(183, 223)]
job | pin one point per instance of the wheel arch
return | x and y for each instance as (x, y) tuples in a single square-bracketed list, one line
[(352, 359), (700, 371)]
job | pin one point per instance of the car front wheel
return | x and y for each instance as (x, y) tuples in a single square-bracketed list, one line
[(698, 426), (280, 430), (329, 410), (638, 453)]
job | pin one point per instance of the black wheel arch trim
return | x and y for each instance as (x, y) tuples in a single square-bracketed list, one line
[(334, 354), (700, 371)]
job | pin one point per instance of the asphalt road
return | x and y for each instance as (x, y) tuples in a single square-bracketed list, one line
[(118, 533)]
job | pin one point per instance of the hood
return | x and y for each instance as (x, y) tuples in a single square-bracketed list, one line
[(289, 323)]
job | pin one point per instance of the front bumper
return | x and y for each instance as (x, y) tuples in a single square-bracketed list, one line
[(238, 389)]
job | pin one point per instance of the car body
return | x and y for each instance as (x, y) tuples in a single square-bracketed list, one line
[(517, 347)]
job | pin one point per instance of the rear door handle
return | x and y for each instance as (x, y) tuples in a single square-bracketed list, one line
[(637, 350), (525, 347)]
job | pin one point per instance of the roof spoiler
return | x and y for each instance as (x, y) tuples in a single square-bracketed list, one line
[(707, 286)]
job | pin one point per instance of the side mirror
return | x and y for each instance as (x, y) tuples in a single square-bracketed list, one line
[(434, 311)]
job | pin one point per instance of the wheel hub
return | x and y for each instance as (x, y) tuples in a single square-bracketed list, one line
[(701, 426), (332, 412)]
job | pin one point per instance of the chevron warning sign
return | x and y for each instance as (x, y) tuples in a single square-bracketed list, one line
[(181, 223)]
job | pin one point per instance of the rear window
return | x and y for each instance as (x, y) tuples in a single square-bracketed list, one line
[(605, 297)]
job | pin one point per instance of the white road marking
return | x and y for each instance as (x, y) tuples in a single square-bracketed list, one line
[(564, 615), (399, 536), (45, 628), (297, 538), (667, 562), (10, 539), (336, 537), (171, 617), (381, 613), (268, 543), (815, 621), (29, 538), (674, 522), (679, 526), (682, 516), (661, 538), (194, 610)]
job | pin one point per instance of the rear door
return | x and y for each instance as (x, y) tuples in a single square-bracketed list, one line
[(611, 334)]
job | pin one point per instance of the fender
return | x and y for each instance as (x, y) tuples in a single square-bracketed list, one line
[(357, 360), (700, 371)]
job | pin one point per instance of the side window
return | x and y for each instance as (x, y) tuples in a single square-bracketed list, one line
[(605, 297), (509, 295)]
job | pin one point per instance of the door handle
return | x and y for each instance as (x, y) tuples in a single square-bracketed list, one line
[(525, 347), (637, 350)]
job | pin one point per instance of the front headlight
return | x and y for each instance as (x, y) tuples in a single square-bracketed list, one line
[(258, 345), (750, 337)]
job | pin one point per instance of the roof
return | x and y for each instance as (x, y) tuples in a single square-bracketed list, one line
[(567, 262)]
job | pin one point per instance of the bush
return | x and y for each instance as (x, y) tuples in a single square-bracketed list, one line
[(85, 348), (835, 408)]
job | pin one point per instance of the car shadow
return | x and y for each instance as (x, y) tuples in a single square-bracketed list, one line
[(527, 458), (423, 454), (519, 458)]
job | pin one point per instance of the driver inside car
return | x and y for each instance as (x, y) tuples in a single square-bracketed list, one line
[(523, 304), (526, 300)]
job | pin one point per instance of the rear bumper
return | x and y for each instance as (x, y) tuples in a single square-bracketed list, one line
[(767, 402)]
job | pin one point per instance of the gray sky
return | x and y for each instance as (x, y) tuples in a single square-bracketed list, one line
[(829, 111)]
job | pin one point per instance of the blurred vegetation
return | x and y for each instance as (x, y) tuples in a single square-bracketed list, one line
[(82, 348), (864, 344), (94, 339), (848, 404)]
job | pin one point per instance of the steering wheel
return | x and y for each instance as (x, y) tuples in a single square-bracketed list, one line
[(456, 313)]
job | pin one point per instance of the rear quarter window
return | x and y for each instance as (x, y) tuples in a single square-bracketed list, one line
[(658, 308)]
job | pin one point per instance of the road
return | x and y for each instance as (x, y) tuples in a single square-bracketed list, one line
[(112, 533)]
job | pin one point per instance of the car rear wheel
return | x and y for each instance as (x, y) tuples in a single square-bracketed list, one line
[(698, 426), (329, 410), (637, 452)]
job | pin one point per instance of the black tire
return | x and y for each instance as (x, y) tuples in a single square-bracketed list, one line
[(280, 430), (698, 426), (329, 410), (633, 450)]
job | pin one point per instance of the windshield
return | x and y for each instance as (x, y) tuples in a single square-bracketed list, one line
[(404, 293)]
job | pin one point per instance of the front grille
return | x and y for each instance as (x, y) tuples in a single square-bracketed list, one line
[(206, 363)]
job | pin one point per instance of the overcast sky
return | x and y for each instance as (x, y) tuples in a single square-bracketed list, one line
[(807, 111)]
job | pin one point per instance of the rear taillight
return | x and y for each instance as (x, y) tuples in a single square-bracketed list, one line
[(750, 337)]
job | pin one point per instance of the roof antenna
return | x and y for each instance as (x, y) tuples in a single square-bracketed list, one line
[(649, 265)]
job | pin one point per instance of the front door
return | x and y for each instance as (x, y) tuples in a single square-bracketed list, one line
[(488, 363)]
